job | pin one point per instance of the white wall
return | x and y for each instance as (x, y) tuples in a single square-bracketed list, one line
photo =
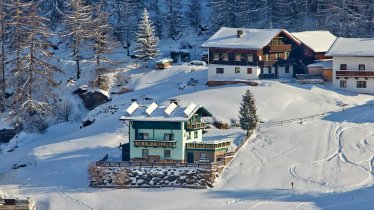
[(229, 72), (282, 71), (352, 65)]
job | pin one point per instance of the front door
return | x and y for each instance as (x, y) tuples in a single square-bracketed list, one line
[(190, 157), (145, 153)]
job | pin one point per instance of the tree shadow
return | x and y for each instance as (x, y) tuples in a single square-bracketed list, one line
[(358, 114)]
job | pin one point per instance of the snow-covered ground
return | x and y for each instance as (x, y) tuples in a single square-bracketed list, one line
[(329, 159)]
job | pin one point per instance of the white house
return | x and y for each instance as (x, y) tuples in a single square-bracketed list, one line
[(244, 54), (353, 64)]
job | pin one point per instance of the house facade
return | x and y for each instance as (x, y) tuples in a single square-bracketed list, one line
[(314, 45), (164, 133), (353, 64), (245, 54)]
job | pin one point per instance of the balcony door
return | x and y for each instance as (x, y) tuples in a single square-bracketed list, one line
[(169, 137)]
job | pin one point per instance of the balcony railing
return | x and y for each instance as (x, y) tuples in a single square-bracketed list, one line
[(280, 48), (155, 143), (195, 126), (208, 146), (355, 73)]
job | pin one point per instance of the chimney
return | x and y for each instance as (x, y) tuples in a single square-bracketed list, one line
[(240, 33), (174, 100)]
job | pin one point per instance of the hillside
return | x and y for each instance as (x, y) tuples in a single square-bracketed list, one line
[(329, 161)]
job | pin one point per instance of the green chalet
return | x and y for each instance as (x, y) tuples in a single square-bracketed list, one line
[(170, 133)]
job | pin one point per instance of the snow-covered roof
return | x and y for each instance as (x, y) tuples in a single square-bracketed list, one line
[(251, 38), (318, 41), (160, 113), (357, 47), (326, 64)]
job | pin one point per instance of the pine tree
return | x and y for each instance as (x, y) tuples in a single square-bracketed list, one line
[(3, 31), (248, 113), (174, 18), (79, 26), (56, 10), (195, 13), (146, 42), (33, 71)]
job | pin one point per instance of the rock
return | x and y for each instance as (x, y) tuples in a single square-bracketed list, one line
[(171, 178), (182, 177), (156, 180), (140, 181), (87, 123), (91, 99)]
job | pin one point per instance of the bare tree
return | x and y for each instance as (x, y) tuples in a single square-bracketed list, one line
[(79, 26), (33, 71)]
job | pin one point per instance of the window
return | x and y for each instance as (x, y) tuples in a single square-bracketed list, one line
[(202, 156), (143, 136), (361, 67), (196, 134), (361, 84), (238, 57), (167, 153), (275, 41), (343, 83), (219, 70), (287, 69), (145, 153), (225, 57), (276, 56), (262, 70), (343, 66), (237, 70), (169, 137), (249, 70), (266, 57), (188, 135), (286, 55), (269, 69), (216, 56), (250, 57)]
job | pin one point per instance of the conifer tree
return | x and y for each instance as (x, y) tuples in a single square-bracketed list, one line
[(3, 31), (79, 26), (33, 71), (146, 42), (248, 113)]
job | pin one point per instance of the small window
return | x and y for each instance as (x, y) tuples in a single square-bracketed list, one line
[(225, 57), (249, 70), (266, 57), (269, 70), (145, 153), (219, 70), (343, 66), (169, 137), (196, 134), (250, 57), (361, 84), (276, 56), (262, 70), (343, 83), (202, 156), (361, 67), (188, 135), (286, 55), (143, 136), (238, 57), (237, 70), (167, 153), (287, 69), (216, 56)]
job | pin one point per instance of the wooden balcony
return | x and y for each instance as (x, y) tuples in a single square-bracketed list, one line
[(354, 73), (280, 48), (208, 145), (195, 126), (155, 143)]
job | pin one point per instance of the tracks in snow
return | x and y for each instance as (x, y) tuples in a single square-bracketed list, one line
[(342, 158), (78, 202)]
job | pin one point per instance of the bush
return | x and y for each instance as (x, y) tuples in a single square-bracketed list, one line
[(35, 123), (221, 125), (62, 110), (122, 79), (102, 82)]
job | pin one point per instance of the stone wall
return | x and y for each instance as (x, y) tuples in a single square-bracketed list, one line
[(151, 177)]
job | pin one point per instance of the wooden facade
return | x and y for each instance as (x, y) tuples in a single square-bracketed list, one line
[(280, 51)]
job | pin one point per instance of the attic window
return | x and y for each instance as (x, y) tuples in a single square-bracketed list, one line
[(240, 33), (216, 56)]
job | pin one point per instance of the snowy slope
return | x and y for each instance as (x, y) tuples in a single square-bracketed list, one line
[(329, 158)]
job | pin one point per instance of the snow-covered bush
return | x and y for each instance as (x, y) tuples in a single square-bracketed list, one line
[(35, 123), (62, 110), (122, 79)]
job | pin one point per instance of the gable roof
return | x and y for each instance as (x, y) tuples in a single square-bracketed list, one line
[(252, 38), (318, 41), (356, 47), (158, 114)]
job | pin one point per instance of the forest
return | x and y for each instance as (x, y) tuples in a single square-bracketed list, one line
[(31, 31)]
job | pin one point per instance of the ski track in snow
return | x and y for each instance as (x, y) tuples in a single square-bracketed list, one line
[(78, 202), (342, 158)]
